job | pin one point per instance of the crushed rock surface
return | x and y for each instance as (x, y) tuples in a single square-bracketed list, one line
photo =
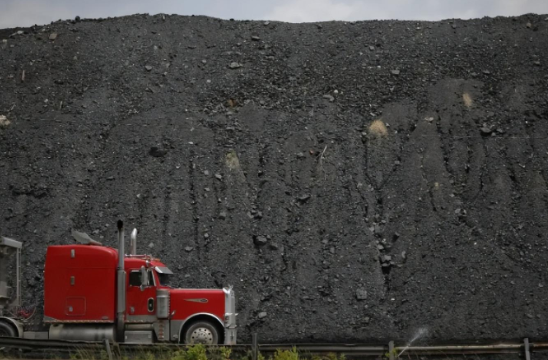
[(354, 181)]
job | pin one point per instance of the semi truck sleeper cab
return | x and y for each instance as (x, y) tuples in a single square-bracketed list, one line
[(91, 293)]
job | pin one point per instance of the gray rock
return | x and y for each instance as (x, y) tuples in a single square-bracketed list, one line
[(262, 314), (378, 230), (304, 198), (486, 130), (53, 36), (255, 38), (189, 248), (260, 240), (157, 152), (329, 97), (235, 65), (148, 67), (222, 215), (361, 294), (218, 176), (395, 72)]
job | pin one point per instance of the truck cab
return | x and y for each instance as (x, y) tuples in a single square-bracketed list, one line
[(94, 292), (184, 315)]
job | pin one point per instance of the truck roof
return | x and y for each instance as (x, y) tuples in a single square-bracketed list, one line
[(95, 256)]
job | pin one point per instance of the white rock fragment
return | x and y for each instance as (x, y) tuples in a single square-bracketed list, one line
[(4, 122)]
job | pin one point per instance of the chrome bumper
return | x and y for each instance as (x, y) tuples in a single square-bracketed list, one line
[(230, 336), (230, 316)]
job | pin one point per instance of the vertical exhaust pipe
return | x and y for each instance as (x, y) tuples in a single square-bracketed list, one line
[(18, 279), (133, 243), (120, 286)]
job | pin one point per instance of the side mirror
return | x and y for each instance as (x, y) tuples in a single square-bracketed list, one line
[(144, 278)]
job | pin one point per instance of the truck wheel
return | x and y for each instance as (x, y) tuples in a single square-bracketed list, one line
[(6, 330), (202, 332)]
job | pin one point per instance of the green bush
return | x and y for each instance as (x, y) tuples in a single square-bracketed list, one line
[(194, 352), (286, 354), (219, 353), (330, 356), (226, 352)]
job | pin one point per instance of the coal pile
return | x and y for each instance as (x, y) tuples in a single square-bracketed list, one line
[(354, 181)]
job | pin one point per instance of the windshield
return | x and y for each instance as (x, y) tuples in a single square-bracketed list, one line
[(165, 279)]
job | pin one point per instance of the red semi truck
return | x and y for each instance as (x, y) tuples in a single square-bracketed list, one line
[(93, 294)]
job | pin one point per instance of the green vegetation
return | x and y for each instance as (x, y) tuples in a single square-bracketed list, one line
[(394, 352), (232, 160), (194, 352)]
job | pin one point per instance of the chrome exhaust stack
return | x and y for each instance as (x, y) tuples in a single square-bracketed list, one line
[(133, 243), (120, 286)]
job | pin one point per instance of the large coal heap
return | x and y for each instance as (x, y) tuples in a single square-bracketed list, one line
[(354, 181)]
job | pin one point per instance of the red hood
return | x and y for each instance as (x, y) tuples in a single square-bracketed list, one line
[(188, 302)]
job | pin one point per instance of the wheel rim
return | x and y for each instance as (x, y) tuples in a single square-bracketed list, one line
[(201, 335)]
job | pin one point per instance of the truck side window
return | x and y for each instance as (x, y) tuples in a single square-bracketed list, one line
[(151, 281), (135, 278)]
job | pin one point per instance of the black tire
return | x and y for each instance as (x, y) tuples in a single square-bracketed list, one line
[(6, 330), (201, 332)]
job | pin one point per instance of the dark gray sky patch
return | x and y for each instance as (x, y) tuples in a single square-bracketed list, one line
[(29, 12)]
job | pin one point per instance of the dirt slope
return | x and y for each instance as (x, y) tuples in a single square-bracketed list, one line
[(353, 181)]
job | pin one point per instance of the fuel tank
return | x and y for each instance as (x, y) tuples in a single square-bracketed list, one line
[(83, 332)]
